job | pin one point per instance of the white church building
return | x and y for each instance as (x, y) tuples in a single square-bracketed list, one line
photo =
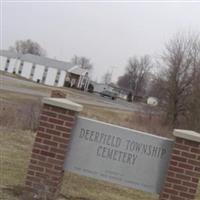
[(43, 70)]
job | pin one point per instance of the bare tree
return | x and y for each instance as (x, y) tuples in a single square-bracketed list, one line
[(176, 83), (107, 78), (28, 46), (124, 81), (136, 75), (82, 61)]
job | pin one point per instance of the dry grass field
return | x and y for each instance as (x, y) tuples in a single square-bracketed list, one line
[(17, 114)]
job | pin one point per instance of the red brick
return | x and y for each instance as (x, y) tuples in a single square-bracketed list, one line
[(32, 173), (191, 143), (45, 164), (194, 162), (56, 167), (38, 157), (36, 168), (195, 150), (56, 121), (182, 147), (195, 180), (43, 135), (173, 163), (46, 125), (197, 169), (180, 188), (192, 191), (185, 166), (188, 196), (64, 129), (37, 139), (178, 158), (176, 198), (43, 118), (53, 132), (60, 140), (33, 161), (179, 140), (69, 124), (176, 169), (49, 113), (60, 157), (183, 177), (189, 184), (51, 143), (191, 173), (37, 151), (66, 117), (58, 110), (41, 146), (188, 155), (171, 174), (49, 154), (57, 150), (171, 191), (55, 161), (176, 152), (54, 172), (173, 180), (42, 175)]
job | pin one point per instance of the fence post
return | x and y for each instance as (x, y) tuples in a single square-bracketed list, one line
[(45, 170), (184, 168)]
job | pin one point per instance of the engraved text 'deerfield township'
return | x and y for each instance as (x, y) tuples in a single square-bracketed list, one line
[(119, 155)]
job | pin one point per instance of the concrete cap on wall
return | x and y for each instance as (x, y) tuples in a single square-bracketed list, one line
[(63, 103), (187, 134)]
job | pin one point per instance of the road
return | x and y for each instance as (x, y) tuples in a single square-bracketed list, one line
[(12, 84)]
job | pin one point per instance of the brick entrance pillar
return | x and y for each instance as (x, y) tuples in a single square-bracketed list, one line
[(184, 168), (45, 171)]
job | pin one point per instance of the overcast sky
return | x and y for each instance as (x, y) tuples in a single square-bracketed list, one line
[(108, 33)]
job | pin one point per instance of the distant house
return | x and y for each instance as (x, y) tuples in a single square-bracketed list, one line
[(39, 69), (78, 77)]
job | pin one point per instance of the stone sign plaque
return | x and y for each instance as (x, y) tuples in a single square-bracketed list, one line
[(119, 155)]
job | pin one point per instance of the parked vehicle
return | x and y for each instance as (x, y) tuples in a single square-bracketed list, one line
[(110, 94)]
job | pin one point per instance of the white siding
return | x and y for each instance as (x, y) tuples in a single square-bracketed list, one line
[(61, 80), (13, 64), (26, 70), (17, 65), (3, 61), (38, 73), (51, 76)]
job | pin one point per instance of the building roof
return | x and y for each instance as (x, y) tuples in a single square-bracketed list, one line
[(78, 70), (40, 60)]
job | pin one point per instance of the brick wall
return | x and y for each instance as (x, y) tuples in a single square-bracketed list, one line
[(184, 171), (45, 171)]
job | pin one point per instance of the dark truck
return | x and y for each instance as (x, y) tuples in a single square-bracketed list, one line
[(110, 94)]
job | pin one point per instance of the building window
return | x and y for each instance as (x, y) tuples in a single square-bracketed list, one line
[(56, 81), (6, 69), (20, 71), (8, 61)]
